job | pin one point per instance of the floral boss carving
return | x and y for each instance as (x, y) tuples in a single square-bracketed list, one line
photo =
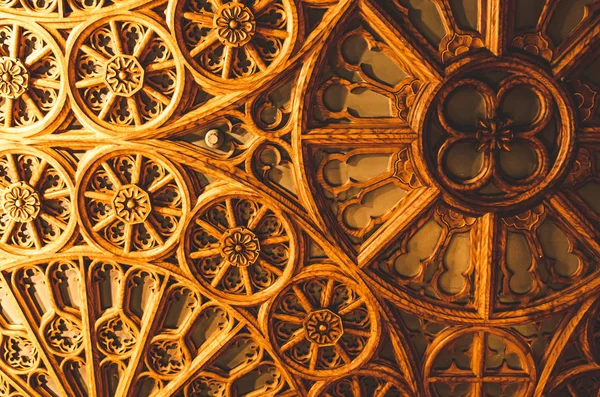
[(14, 78), (508, 152)]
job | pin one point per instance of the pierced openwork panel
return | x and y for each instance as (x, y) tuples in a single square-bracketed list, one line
[(329, 198)]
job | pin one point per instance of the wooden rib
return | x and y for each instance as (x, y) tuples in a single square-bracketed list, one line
[(156, 185), (246, 280), (39, 170), (116, 37), (15, 45), (271, 32), (257, 217), (273, 269), (10, 225), (220, 273), (484, 252), (578, 224), (209, 40), (352, 306), (314, 355), (148, 89), (54, 221), (12, 168), (227, 61), (8, 112), (128, 235), (90, 82), (108, 103), (356, 387), (253, 53), (94, 54), (137, 169), (579, 46), (45, 83), (206, 253), (99, 196), (416, 59), (383, 391), (141, 46), (288, 318), (298, 337), (153, 232), (34, 234), (132, 104), (36, 56), (158, 66), (87, 321), (168, 211), (261, 6), (215, 232), (497, 25), (104, 222), (137, 355), (111, 174), (274, 240), (230, 213), (342, 353), (302, 299), (327, 294), (203, 19), (358, 332), (32, 106), (56, 194)]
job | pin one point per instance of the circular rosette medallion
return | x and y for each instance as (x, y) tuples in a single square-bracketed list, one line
[(32, 87), (242, 251), (321, 325), (493, 141), (125, 74), (132, 204), (227, 40), (35, 201)]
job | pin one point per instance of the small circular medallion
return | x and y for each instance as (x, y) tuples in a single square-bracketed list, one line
[(14, 78), (323, 327), (235, 24), (20, 202), (240, 247), (124, 75), (132, 204)]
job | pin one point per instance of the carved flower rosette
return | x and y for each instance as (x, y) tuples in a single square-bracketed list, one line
[(132, 205), (240, 249)]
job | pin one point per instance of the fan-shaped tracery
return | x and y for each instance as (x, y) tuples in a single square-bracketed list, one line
[(349, 198)]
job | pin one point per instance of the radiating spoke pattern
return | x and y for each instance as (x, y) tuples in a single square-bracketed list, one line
[(227, 40), (133, 205), (32, 87), (240, 249), (127, 74), (322, 326), (36, 203)]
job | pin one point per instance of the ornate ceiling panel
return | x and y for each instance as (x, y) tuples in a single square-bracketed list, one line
[(299, 198)]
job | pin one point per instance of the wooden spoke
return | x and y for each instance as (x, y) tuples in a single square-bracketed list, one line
[(255, 221), (270, 32), (203, 19), (37, 174), (587, 37), (8, 112), (220, 273), (206, 253), (303, 300), (298, 337), (45, 83), (15, 45), (230, 213), (108, 104), (94, 54), (210, 229), (267, 266), (7, 233), (36, 56), (159, 184), (31, 105), (246, 280), (275, 240), (108, 220), (208, 41), (116, 37), (160, 66), (253, 53), (142, 45), (148, 89), (498, 14)]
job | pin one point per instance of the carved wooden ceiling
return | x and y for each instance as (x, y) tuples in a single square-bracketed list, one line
[(299, 198)]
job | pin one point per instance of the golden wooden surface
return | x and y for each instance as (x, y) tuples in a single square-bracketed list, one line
[(297, 198)]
